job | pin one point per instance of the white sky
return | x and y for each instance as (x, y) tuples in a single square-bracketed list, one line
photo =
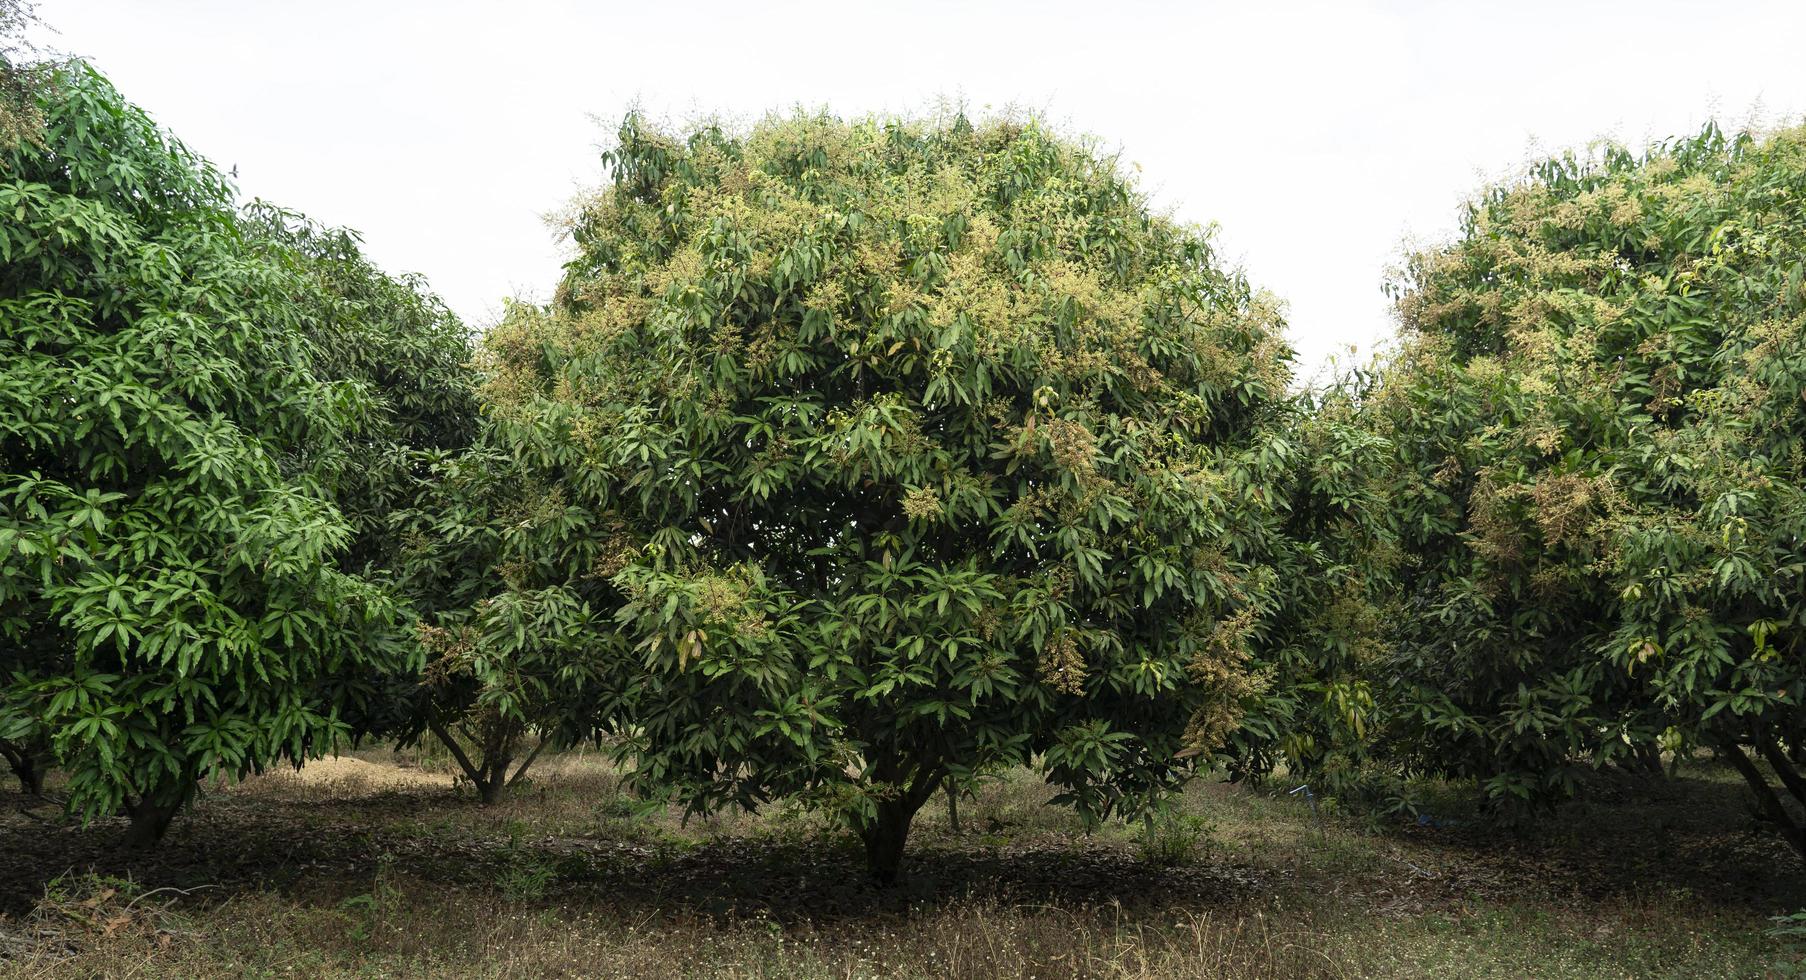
[(1322, 137)]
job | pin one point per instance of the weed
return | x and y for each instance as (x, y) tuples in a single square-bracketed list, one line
[(1791, 930), (524, 873), (1172, 840)]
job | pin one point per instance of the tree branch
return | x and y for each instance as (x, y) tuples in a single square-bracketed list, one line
[(476, 775), (1765, 795), (1790, 777), (522, 771)]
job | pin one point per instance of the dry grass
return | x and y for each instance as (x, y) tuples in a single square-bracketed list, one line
[(377, 865), (488, 935), (342, 777)]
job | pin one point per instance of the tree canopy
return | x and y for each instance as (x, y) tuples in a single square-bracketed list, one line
[(895, 451), (854, 459)]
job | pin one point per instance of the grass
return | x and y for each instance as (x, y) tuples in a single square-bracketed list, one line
[(377, 870)]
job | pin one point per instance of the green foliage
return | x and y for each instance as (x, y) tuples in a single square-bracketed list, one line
[(1597, 414), (404, 351), (179, 415), (1324, 640), (897, 450)]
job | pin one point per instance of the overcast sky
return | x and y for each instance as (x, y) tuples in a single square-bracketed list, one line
[(1321, 137)]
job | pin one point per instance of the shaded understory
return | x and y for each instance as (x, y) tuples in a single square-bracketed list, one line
[(405, 876)]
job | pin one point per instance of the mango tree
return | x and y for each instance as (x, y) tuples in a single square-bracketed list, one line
[(512, 652), (1598, 415), (174, 439), (1325, 640), (902, 451)]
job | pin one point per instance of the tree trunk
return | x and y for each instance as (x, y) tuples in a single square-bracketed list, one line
[(151, 817), (952, 807), (497, 754), (886, 833), (884, 838), (31, 776), (493, 783), (1791, 829), (24, 765), (490, 779)]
